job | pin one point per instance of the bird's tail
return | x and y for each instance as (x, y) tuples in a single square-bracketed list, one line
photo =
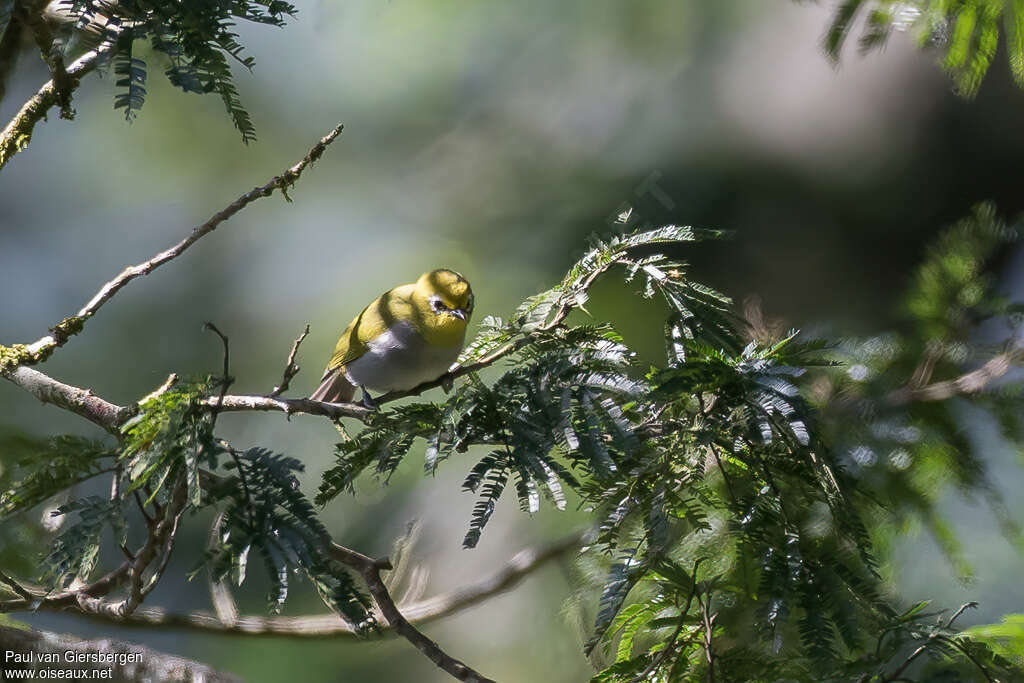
[(334, 387)]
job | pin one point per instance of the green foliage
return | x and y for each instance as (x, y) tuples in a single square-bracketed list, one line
[(262, 505), (36, 470), (170, 441), (266, 510), (20, 532), (51, 466), (75, 551), (132, 71), (170, 432), (569, 401), (909, 452), (742, 492), (966, 31), (1005, 638), (952, 290), (195, 38), (728, 504)]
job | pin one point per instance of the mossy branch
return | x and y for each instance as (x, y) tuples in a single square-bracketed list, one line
[(18, 132)]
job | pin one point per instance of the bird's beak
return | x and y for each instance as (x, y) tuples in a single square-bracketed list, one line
[(459, 313)]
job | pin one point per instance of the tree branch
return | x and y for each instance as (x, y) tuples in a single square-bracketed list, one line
[(936, 634), (521, 565), (31, 15), (290, 368), (111, 416), (370, 570), (124, 661), (160, 539), (290, 406), (79, 401), (39, 350), (18, 132), (969, 383)]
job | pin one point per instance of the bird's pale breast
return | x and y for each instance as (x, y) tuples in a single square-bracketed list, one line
[(400, 359)]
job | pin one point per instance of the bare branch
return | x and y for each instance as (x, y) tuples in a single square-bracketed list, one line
[(160, 540), (370, 570), (32, 17), (79, 401), (226, 379), (110, 416), (124, 661), (969, 383), (963, 608), (40, 349), (290, 368), (520, 566), (162, 389), (292, 406), (935, 635)]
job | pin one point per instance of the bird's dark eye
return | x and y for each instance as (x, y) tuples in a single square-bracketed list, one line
[(437, 305)]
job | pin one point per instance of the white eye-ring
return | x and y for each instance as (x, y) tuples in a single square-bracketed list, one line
[(437, 305)]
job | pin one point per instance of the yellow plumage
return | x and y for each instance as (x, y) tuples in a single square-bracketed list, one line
[(406, 336)]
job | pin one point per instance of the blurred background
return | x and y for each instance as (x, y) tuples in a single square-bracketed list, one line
[(493, 139)]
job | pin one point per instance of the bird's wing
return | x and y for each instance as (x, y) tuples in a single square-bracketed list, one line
[(375, 319)]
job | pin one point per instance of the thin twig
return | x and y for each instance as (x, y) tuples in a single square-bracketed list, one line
[(54, 58), (709, 626), (224, 605), (963, 608), (969, 383), (165, 558), (226, 379), (370, 569), (895, 675), (667, 650), (162, 389), (290, 368), (162, 535), (91, 598), (923, 372)]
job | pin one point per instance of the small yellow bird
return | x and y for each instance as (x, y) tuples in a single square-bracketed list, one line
[(409, 335)]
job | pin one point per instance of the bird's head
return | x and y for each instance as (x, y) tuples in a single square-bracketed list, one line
[(445, 300)]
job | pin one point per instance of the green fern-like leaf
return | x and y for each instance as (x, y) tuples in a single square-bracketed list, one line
[(52, 466), (132, 72)]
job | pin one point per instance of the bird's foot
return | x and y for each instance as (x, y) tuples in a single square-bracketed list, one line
[(368, 401)]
